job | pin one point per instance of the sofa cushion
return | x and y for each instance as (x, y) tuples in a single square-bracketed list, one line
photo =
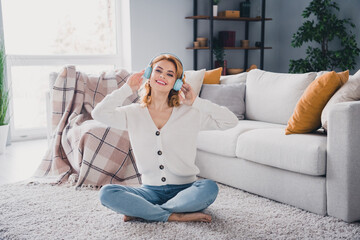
[(224, 142), (195, 79), (272, 97), (236, 78), (301, 153), (307, 114), (213, 76), (231, 96), (349, 92)]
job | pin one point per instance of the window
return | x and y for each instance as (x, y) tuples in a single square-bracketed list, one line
[(41, 36)]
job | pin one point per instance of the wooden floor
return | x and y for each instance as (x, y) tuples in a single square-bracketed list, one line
[(20, 160)]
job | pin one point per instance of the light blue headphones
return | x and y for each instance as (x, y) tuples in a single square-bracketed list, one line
[(178, 83)]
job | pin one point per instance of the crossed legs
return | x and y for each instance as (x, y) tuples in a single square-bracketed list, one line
[(161, 203)]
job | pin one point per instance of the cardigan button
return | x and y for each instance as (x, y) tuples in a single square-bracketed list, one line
[(159, 152), (163, 179), (157, 133), (161, 167)]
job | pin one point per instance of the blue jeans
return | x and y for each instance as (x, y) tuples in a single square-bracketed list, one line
[(156, 203)]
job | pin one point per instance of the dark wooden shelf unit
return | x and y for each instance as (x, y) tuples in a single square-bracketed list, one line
[(211, 20), (229, 48), (228, 18)]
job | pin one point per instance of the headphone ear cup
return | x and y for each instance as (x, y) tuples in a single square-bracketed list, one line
[(147, 72), (178, 84)]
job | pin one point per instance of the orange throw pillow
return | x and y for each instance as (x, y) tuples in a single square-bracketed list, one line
[(307, 114), (213, 76)]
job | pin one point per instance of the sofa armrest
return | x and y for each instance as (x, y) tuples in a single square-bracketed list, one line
[(343, 161)]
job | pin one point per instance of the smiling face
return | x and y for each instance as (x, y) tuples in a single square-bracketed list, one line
[(163, 76), (166, 68)]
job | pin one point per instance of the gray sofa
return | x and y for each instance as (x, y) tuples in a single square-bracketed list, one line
[(318, 172)]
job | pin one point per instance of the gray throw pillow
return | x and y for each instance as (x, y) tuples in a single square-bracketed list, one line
[(231, 96)]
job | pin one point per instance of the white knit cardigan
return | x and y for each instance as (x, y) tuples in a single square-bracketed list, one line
[(167, 155)]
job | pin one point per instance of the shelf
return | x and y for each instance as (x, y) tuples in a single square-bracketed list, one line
[(244, 22), (201, 17), (230, 48)]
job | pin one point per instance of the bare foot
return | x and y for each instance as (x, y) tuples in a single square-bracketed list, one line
[(129, 218), (190, 217)]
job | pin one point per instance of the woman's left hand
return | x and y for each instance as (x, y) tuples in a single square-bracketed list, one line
[(189, 94)]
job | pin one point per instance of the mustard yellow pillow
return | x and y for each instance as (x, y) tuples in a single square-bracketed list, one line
[(212, 76), (307, 114)]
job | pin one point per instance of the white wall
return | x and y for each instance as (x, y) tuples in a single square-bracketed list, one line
[(160, 26)]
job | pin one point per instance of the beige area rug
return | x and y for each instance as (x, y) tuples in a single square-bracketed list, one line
[(61, 212)]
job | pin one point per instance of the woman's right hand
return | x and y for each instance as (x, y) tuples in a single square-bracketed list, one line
[(135, 80)]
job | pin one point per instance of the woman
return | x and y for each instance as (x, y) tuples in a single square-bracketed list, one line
[(163, 131)]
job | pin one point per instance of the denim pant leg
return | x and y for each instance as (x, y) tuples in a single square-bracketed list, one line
[(197, 197), (135, 202)]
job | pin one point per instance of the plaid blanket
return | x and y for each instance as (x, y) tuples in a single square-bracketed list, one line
[(87, 151)]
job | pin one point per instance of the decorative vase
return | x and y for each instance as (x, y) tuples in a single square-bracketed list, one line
[(202, 41), (4, 129), (245, 43), (215, 10), (217, 65)]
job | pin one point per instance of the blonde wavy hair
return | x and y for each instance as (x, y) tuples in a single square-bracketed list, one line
[(173, 97)]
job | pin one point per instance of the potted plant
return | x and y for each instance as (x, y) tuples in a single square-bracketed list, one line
[(4, 103), (219, 53), (324, 27), (215, 7)]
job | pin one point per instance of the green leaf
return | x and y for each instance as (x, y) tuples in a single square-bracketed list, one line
[(325, 28), (4, 93)]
